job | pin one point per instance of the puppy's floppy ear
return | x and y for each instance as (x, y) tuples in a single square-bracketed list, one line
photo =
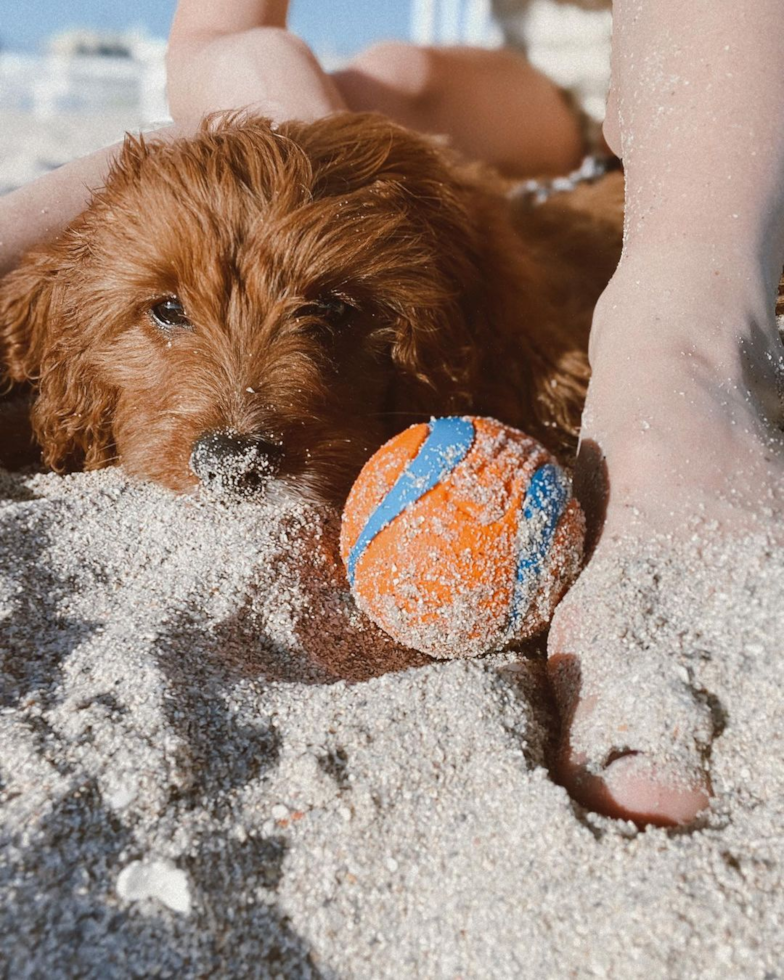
[(25, 298), (35, 297), (43, 341)]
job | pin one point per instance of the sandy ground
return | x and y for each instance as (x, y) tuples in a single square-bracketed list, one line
[(213, 766)]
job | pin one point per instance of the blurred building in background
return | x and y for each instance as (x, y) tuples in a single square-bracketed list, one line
[(88, 72), (454, 22)]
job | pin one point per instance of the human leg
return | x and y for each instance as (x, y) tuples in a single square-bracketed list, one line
[(681, 439), (493, 104), (235, 55)]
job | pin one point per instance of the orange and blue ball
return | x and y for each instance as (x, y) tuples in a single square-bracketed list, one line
[(460, 536)]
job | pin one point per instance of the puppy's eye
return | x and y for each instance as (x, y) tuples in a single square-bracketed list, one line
[(332, 309), (169, 313)]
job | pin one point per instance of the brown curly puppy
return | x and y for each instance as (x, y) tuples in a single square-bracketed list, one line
[(259, 307)]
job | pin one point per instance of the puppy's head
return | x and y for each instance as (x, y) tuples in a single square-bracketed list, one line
[(254, 306)]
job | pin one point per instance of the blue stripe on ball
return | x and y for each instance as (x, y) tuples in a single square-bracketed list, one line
[(445, 447), (543, 507)]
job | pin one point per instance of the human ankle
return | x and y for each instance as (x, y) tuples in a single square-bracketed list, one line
[(697, 296), (711, 337), (750, 261)]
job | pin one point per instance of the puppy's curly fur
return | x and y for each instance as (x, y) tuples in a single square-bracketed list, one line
[(307, 288)]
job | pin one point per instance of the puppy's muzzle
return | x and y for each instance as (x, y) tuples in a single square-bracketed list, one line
[(234, 465)]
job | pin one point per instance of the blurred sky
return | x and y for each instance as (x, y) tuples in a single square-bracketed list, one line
[(339, 26)]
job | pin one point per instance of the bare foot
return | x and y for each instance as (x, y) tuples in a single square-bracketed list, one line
[(682, 469)]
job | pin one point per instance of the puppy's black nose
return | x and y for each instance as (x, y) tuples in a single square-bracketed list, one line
[(233, 465)]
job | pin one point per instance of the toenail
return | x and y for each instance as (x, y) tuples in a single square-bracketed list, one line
[(615, 754)]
